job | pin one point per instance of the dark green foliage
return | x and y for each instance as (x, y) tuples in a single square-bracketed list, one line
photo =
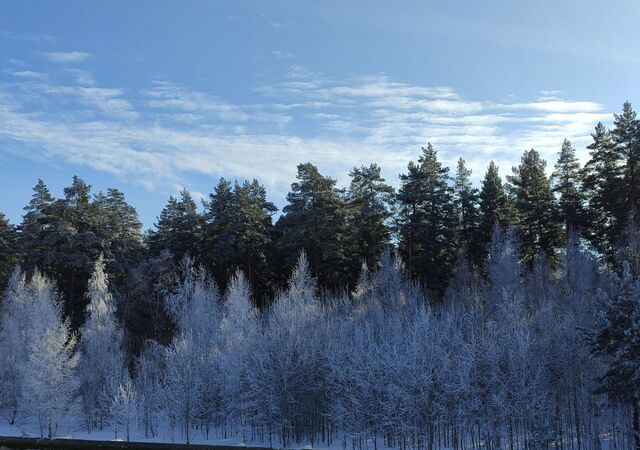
[(33, 224), (63, 238), (8, 249), (179, 229), (427, 220), (494, 207), (239, 234), (467, 208), (626, 135), (567, 185), (603, 186), (370, 209), (314, 221), (538, 221), (219, 218)]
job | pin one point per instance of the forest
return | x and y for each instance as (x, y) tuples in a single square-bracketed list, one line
[(438, 315)]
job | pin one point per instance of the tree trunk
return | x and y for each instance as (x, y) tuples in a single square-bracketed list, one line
[(636, 423)]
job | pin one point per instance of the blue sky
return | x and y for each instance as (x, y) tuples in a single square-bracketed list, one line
[(153, 96)]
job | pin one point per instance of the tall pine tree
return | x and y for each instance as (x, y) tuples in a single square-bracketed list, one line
[(626, 135), (179, 229), (370, 207), (8, 248), (567, 185), (467, 204), (314, 221), (538, 222), (494, 207), (603, 185), (427, 220)]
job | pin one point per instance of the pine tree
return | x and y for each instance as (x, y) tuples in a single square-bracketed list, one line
[(567, 184), (314, 221), (493, 207), (427, 220), (8, 249), (466, 201), (253, 236), (123, 229), (626, 135), (603, 183), (179, 229), (220, 232), (370, 207), (239, 234), (70, 239), (32, 226), (538, 221), (102, 355)]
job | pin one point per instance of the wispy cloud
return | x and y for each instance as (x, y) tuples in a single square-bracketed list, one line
[(161, 136), (35, 37), (26, 74), (276, 24), (279, 54), (66, 57)]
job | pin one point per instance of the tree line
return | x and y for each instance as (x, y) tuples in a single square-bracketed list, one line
[(433, 219)]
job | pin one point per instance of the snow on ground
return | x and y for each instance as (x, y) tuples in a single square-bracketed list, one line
[(72, 429)]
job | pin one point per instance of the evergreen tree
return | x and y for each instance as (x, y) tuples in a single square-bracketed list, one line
[(220, 222), (179, 229), (254, 235), (466, 201), (370, 207), (70, 239), (33, 225), (567, 184), (122, 227), (493, 206), (603, 184), (314, 221), (626, 135), (8, 249), (427, 220), (538, 221), (239, 234)]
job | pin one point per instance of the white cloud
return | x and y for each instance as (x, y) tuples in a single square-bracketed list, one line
[(36, 37), (161, 136), (279, 54), (66, 57), (26, 74), (276, 24)]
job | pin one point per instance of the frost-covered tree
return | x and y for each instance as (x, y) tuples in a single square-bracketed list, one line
[(49, 383), (238, 330), (148, 387), (121, 404), (503, 269), (14, 338), (103, 360), (189, 392), (617, 338)]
